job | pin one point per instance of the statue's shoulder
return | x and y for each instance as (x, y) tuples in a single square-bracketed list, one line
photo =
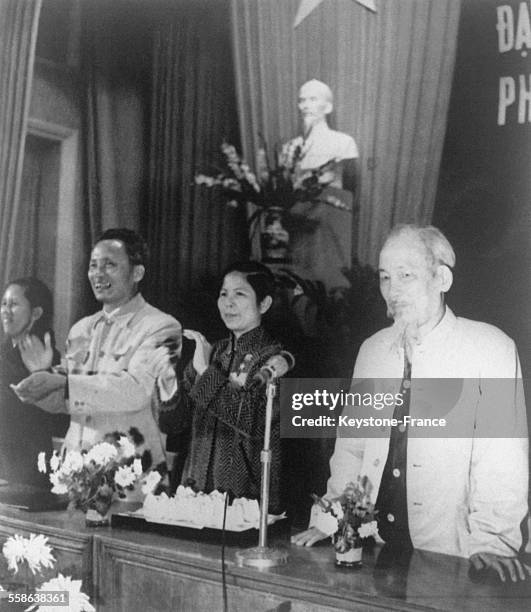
[(345, 143)]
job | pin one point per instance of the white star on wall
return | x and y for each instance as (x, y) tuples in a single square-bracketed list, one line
[(307, 6)]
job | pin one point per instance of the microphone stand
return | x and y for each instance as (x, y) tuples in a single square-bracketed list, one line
[(263, 556)]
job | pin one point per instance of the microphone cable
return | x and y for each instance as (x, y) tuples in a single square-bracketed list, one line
[(223, 565), (225, 506)]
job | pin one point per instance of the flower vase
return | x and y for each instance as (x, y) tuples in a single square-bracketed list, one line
[(93, 518), (350, 558), (274, 238)]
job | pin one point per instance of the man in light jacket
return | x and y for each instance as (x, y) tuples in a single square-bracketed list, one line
[(117, 365), (466, 495)]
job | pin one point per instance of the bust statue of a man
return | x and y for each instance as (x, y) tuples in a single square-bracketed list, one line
[(322, 144), (322, 252)]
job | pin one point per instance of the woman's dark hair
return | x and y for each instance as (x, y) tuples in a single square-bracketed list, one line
[(257, 275), (37, 294)]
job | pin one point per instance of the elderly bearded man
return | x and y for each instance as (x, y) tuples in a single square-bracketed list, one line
[(464, 496), (118, 361)]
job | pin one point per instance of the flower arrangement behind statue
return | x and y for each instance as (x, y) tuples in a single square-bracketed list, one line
[(31, 564), (354, 514), (281, 184), (274, 190), (93, 478)]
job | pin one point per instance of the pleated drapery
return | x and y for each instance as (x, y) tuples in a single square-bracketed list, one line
[(192, 234), (18, 34), (114, 43), (391, 74)]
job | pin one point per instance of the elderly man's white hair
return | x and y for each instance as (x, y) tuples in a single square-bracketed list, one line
[(439, 251), (322, 88)]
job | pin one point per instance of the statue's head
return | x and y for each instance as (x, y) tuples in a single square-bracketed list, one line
[(315, 102)]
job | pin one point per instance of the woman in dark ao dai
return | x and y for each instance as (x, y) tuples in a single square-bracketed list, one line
[(228, 410)]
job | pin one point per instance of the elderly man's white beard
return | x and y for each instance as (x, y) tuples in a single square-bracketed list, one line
[(407, 336), (309, 122)]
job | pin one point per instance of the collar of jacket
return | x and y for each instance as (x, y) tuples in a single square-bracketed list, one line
[(248, 341), (124, 314)]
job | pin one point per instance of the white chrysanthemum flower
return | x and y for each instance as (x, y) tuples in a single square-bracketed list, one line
[(102, 453), (14, 551), (77, 600), (59, 487), (54, 461), (368, 529), (41, 462), (124, 476), (137, 467), (38, 553), (127, 447), (73, 462), (150, 482)]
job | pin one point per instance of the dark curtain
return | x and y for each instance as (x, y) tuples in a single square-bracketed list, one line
[(192, 234), (115, 57), (30, 202), (485, 186), (18, 33)]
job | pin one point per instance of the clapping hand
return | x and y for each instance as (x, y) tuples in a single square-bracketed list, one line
[(38, 385), (161, 363), (158, 361), (35, 354), (173, 350), (203, 350)]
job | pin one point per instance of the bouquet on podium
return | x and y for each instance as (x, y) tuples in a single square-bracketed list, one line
[(350, 518), (94, 478)]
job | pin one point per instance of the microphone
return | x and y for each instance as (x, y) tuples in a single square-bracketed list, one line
[(275, 367)]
